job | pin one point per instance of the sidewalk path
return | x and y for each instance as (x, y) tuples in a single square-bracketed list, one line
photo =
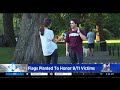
[(99, 57)]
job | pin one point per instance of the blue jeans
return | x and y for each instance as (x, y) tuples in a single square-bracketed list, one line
[(53, 56), (75, 57)]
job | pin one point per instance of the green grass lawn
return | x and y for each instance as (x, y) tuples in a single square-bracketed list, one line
[(108, 41), (6, 54), (61, 50)]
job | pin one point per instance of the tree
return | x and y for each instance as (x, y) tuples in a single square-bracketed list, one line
[(60, 21), (113, 24), (100, 34), (9, 36), (28, 49)]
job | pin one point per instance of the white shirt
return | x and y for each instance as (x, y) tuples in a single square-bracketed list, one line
[(48, 46)]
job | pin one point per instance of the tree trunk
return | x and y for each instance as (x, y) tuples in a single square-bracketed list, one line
[(9, 36), (28, 49), (100, 36), (99, 32)]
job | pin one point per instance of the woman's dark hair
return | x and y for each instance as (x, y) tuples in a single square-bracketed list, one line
[(45, 23), (76, 21)]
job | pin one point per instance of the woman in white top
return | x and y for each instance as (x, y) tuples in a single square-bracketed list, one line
[(48, 42)]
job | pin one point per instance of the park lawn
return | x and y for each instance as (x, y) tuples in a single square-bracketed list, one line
[(113, 41), (61, 49), (108, 41), (92, 61), (6, 55)]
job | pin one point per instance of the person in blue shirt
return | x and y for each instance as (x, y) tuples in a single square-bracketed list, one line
[(91, 41)]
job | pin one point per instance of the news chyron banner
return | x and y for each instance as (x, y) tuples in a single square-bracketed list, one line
[(13, 69), (83, 68), (56, 69)]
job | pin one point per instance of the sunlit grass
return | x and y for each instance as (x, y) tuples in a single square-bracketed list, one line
[(113, 41), (108, 41)]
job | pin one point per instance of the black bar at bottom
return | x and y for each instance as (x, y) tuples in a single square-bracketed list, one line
[(85, 75)]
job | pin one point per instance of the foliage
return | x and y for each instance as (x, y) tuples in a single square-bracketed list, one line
[(16, 22), (107, 34), (113, 24), (60, 24)]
